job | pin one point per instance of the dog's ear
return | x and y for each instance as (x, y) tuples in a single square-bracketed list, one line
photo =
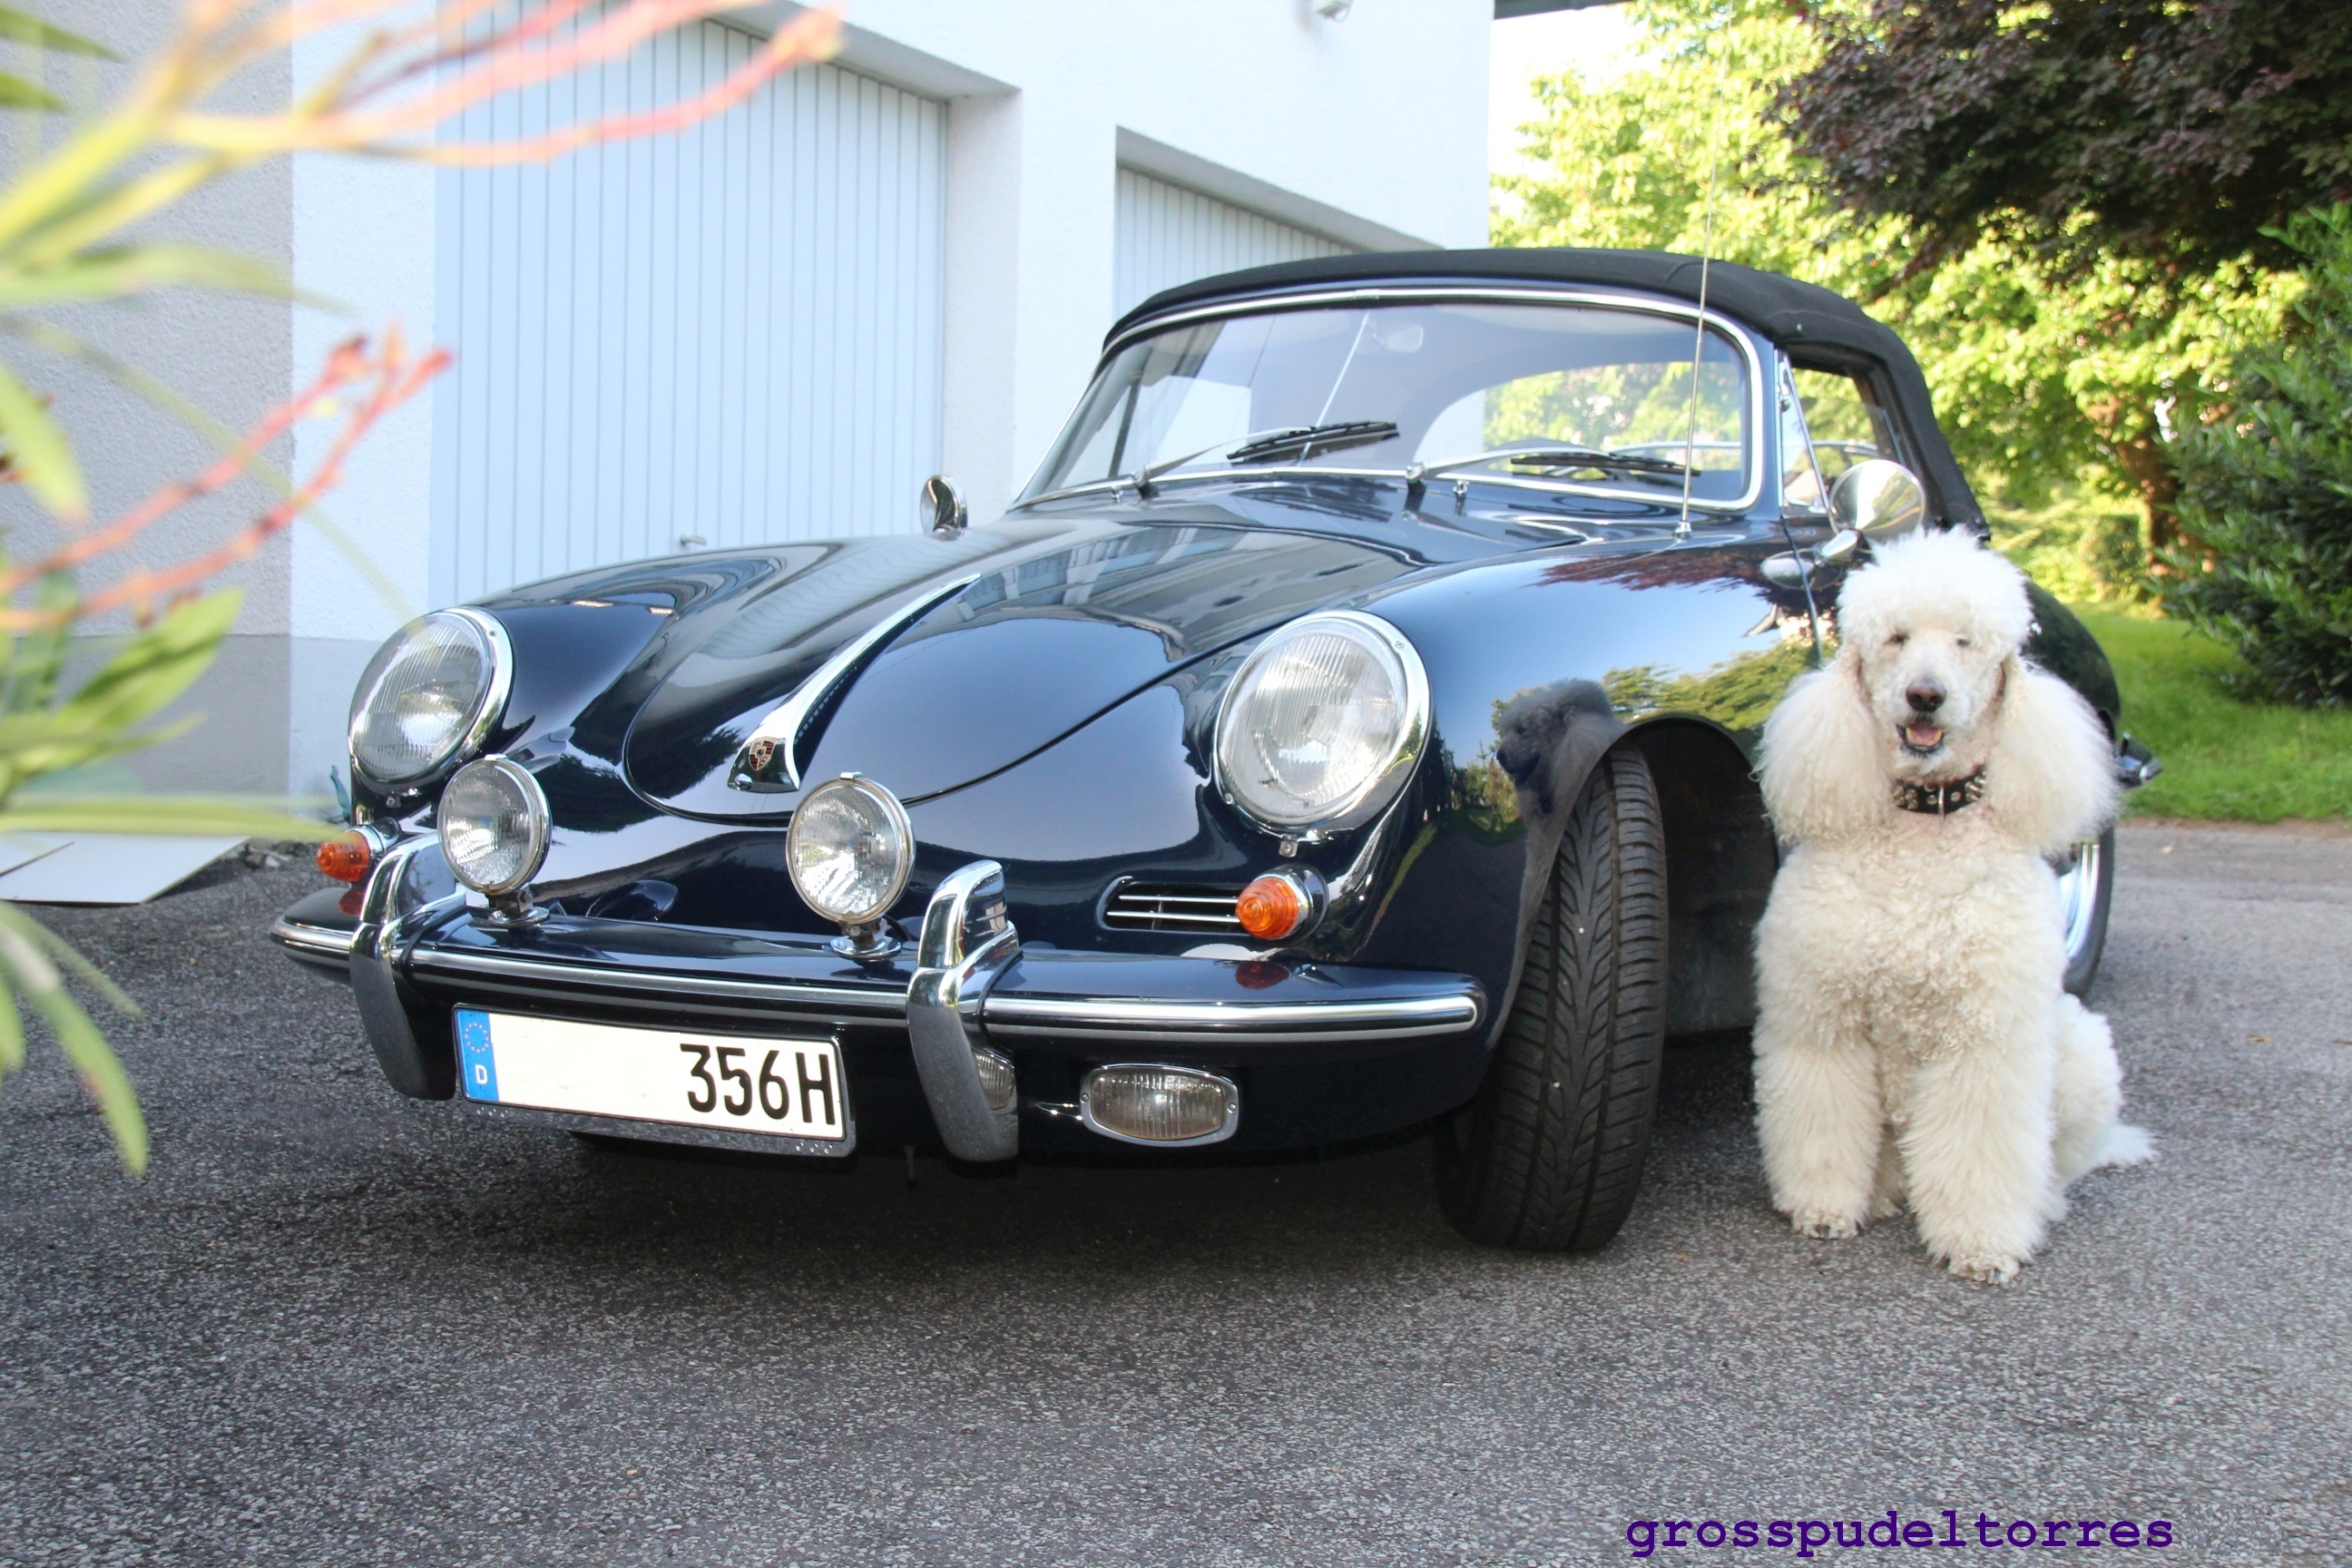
[(2050, 778), (1822, 771)]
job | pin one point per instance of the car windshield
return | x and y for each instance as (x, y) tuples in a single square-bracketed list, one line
[(1574, 397)]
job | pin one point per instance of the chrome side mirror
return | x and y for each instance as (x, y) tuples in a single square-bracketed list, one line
[(1878, 500), (942, 510)]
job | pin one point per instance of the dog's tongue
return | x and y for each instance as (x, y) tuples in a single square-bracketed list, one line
[(1926, 737)]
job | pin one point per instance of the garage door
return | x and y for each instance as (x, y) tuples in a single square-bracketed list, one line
[(1168, 235), (727, 336)]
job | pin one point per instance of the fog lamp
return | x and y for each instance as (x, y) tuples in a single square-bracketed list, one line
[(849, 850), (996, 1082), (1161, 1105), (493, 821)]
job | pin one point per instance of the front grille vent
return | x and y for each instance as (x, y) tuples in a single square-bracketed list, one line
[(1170, 906)]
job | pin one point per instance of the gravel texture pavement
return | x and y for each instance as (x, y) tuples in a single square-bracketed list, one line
[(332, 1326)]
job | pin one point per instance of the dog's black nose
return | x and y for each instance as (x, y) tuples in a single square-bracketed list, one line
[(1925, 697)]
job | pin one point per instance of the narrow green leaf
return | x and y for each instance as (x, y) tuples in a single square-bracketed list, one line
[(114, 273), (12, 1033), (40, 451), (65, 953), (30, 972), (39, 658), (101, 1074), (192, 815), (157, 664), (16, 93), (19, 27)]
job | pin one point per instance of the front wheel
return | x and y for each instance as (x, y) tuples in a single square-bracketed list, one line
[(1549, 1157), (2086, 886)]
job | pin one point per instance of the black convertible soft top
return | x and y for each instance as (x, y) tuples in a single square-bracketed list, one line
[(1813, 324)]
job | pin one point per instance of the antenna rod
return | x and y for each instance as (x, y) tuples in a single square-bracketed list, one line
[(1698, 342)]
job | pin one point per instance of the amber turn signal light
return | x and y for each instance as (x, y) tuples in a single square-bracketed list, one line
[(347, 856), (1279, 904)]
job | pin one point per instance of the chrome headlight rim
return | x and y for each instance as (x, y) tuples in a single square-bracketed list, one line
[(1381, 786), (473, 734), (536, 817), (901, 822)]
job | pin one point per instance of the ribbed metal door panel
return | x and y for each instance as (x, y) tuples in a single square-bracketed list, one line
[(732, 334), (1168, 235)]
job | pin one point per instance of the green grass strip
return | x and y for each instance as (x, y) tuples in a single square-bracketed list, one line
[(2225, 758)]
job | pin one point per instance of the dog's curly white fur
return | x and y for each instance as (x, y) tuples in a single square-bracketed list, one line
[(1915, 1043)]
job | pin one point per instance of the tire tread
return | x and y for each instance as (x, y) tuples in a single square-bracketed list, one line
[(1558, 1135)]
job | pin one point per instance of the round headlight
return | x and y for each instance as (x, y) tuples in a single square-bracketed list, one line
[(850, 850), (493, 822), (1322, 723), (429, 694)]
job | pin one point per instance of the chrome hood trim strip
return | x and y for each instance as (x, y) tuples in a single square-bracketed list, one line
[(769, 759)]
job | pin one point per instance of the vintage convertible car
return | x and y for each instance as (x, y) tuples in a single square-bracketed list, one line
[(1348, 731)]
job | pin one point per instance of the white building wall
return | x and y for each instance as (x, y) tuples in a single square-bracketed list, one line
[(1369, 132), (729, 336), (1170, 235)]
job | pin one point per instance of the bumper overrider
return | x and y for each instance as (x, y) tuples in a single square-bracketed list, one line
[(977, 1041)]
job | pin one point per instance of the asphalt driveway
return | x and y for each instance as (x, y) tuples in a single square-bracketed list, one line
[(335, 1326)]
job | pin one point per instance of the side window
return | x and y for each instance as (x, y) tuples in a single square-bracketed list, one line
[(1847, 423)]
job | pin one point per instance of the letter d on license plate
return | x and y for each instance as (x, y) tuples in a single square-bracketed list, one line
[(788, 1087)]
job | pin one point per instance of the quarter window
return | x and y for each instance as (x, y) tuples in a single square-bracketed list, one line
[(1848, 424)]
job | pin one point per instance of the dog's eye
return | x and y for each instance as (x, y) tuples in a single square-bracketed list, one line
[(1899, 639), (1962, 641)]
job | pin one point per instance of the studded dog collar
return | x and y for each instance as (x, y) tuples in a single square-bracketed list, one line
[(1943, 799)]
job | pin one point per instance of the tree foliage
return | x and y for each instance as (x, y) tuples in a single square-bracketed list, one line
[(2268, 488), (2175, 132), (2043, 381)]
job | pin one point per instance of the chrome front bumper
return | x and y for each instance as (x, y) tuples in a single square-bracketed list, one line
[(971, 988)]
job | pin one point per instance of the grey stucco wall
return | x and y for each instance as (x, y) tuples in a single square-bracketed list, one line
[(231, 356)]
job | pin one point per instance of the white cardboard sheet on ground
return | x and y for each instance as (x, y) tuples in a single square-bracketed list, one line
[(108, 868), (23, 848)]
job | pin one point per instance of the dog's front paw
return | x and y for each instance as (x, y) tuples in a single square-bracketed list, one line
[(1987, 1267), (1825, 1224)]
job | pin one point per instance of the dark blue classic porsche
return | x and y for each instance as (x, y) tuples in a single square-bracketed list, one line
[(1348, 731)]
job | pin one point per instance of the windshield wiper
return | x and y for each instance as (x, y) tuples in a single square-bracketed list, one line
[(1314, 437), (1553, 459), (1262, 444)]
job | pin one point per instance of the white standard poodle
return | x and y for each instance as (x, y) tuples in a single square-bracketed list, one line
[(1914, 1044)]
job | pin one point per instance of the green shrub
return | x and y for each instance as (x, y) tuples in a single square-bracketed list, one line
[(2268, 489)]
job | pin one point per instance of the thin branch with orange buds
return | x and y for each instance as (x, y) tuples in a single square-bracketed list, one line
[(513, 59), (392, 379)]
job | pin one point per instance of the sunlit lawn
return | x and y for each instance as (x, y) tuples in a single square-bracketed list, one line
[(2224, 757)]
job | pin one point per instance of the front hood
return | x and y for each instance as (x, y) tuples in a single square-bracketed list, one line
[(1064, 617)]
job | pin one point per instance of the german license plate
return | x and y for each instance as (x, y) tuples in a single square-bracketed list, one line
[(790, 1087)]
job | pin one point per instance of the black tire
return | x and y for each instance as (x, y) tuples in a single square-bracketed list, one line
[(1549, 1157), (2087, 940)]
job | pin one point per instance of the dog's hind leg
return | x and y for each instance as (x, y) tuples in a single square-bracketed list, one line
[(1977, 1143), (2086, 1096), (1819, 1119)]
